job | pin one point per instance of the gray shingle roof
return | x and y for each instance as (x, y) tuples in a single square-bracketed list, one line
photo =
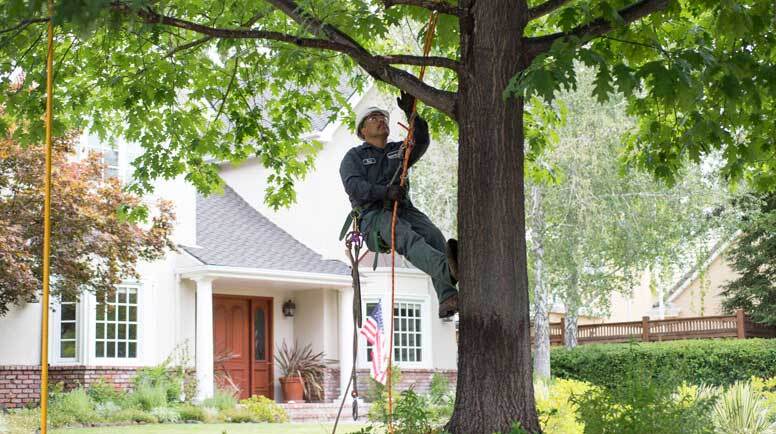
[(232, 233)]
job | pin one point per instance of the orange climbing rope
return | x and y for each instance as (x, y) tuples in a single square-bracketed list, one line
[(46, 226), (409, 142)]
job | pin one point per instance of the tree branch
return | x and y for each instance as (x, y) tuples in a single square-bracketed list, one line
[(151, 17), (548, 7), (441, 62), (201, 41), (596, 28), (432, 5), (23, 24), (377, 67)]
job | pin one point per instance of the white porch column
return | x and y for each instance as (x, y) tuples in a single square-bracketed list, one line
[(204, 349), (345, 337)]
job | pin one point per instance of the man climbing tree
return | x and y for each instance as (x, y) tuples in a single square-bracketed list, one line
[(180, 78), (371, 175)]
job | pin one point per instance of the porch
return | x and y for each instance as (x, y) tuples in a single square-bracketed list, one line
[(240, 322)]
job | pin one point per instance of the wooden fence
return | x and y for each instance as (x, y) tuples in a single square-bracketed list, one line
[(737, 326)]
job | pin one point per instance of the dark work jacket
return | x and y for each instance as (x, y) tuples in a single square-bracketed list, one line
[(366, 170)]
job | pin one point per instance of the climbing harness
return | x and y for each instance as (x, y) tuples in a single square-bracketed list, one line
[(44, 299), (354, 241)]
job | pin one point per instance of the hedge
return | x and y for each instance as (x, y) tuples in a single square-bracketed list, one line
[(708, 361)]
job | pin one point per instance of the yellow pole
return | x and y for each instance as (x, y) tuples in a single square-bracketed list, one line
[(46, 226)]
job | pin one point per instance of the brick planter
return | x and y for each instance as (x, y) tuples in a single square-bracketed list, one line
[(418, 379), (20, 384)]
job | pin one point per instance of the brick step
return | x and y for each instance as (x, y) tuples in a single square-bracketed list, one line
[(323, 412)]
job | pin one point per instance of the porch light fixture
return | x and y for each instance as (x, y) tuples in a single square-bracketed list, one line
[(289, 308)]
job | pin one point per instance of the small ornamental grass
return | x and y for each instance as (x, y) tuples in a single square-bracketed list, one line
[(742, 410), (221, 400), (71, 408)]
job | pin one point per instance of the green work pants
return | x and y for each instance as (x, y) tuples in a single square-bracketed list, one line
[(417, 239)]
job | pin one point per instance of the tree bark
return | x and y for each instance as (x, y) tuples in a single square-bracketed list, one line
[(541, 294), (572, 319), (572, 311), (495, 387)]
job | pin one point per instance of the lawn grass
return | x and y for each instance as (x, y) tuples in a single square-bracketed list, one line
[(217, 428)]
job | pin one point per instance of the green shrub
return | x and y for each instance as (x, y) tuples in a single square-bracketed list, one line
[(101, 391), (715, 362), (767, 388), (160, 377), (265, 409), (148, 397), (642, 404), (171, 375), (439, 389), (222, 400), (191, 412), (557, 413), (71, 408), (411, 414), (133, 415), (441, 398), (238, 415), (166, 415)]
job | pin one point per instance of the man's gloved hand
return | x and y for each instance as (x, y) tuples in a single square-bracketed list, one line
[(396, 192), (405, 102)]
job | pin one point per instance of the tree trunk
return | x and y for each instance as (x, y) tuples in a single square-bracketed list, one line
[(541, 294), (572, 318), (495, 387), (573, 301)]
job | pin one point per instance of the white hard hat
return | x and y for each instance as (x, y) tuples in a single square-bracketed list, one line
[(366, 112)]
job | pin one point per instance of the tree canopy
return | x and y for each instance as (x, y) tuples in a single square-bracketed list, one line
[(93, 247), (753, 257), (199, 78)]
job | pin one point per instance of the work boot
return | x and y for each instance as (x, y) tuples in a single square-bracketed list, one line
[(451, 251), (449, 307)]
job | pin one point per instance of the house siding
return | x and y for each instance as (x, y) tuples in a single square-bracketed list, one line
[(703, 296)]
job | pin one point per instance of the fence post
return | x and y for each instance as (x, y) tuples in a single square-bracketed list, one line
[(645, 329), (563, 331), (740, 324)]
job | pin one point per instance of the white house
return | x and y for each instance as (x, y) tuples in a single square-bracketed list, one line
[(223, 292)]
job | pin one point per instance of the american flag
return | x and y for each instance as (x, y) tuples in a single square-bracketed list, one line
[(372, 330)]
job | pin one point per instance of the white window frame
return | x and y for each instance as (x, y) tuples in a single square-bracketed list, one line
[(55, 335), (92, 347), (425, 331), (423, 315)]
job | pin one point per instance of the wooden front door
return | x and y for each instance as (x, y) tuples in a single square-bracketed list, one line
[(242, 344)]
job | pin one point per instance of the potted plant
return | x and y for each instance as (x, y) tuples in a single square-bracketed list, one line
[(302, 372)]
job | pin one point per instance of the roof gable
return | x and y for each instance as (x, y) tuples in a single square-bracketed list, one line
[(232, 233)]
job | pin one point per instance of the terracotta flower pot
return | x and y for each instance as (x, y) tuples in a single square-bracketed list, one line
[(293, 389)]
